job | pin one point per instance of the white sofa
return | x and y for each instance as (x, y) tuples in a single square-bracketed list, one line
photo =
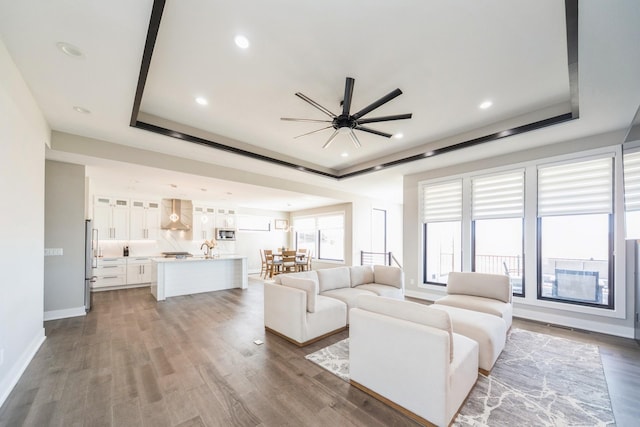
[(307, 306), (407, 355), (487, 293)]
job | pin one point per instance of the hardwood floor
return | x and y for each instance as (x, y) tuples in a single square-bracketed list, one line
[(191, 361)]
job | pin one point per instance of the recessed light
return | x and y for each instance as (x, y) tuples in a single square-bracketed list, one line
[(344, 155), (201, 100), (81, 110), (485, 105), (398, 135), (241, 41), (70, 50)]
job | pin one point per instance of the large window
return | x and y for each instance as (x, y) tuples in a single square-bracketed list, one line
[(497, 227), (321, 235), (575, 232), (632, 194), (442, 215)]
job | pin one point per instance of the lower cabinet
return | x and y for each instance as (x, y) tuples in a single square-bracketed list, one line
[(122, 272), (138, 271), (110, 272)]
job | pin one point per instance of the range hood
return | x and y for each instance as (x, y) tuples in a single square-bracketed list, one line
[(176, 214)]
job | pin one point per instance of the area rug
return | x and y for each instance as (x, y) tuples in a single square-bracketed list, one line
[(538, 380)]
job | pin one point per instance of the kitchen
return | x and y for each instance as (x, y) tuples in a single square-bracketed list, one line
[(133, 220)]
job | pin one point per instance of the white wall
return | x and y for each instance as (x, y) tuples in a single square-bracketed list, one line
[(64, 229), (23, 135), (562, 314)]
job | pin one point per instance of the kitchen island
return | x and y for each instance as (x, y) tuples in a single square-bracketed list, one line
[(185, 276)]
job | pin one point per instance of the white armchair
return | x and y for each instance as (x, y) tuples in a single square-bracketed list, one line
[(406, 355)]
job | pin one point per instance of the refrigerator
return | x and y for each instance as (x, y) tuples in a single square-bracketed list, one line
[(90, 260)]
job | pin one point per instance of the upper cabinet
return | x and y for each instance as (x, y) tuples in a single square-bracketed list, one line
[(204, 222), (226, 218), (145, 220), (111, 218)]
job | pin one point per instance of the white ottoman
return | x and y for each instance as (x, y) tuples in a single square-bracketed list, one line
[(490, 332)]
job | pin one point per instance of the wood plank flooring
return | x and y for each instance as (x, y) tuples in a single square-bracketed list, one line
[(191, 361)]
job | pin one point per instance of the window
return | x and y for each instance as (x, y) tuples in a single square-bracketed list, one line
[(441, 216), (497, 227), (632, 194), (322, 235), (575, 232)]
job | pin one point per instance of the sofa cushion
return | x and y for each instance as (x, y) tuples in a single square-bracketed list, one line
[(484, 305), (309, 286), (383, 290), (361, 274), (387, 275), (348, 296), (496, 286), (334, 278), (303, 274), (409, 311)]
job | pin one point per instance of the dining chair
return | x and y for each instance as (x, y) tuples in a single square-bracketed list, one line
[(263, 265), (273, 265), (289, 262), (301, 259)]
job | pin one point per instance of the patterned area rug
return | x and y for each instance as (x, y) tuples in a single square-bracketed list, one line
[(538, 380)]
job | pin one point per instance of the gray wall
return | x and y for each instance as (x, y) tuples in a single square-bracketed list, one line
[(64, 228)]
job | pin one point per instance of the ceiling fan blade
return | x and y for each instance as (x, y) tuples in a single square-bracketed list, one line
[(313, 131), (388, 97), (315, 104), (385, 118), (289, 119), (331, 138), (373, 131), (354, 139), (348, 95)]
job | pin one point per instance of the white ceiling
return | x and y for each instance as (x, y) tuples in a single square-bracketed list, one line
[(447, 57)]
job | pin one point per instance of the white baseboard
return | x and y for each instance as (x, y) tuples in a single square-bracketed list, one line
[(63, 314), (11, 379)]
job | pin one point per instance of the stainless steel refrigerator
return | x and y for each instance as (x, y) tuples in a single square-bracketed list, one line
[(90, 260)]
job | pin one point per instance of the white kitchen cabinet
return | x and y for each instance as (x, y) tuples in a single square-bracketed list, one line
[(139, 270), (110, 272), (144, 220), (111, 218), (204, 223), (226, 218)]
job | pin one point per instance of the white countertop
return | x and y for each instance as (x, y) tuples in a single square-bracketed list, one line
[(199, 258)]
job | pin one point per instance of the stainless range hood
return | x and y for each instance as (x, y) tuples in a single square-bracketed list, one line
[(176, 214)]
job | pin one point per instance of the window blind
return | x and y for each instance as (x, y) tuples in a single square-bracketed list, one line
[(442, 201), (576, 188), (632, 181), (498, 196)]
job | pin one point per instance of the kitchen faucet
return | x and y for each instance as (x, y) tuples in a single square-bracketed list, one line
[(205, 245)]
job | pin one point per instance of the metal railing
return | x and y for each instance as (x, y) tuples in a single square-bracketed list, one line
[(379, 258)]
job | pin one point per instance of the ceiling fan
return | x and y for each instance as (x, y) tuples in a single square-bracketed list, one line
[(346, 122)]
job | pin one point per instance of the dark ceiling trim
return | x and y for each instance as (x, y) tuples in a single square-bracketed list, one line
[(571, 17), (191, 138), (152, 36), (571, 23)]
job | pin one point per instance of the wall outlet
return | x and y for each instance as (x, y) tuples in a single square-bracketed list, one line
[(1, 357), (53, 252)]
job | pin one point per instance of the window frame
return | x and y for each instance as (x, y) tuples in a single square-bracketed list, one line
[(316, 231)]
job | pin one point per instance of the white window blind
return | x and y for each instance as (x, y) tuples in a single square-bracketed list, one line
[(442, 202), (576, 188), (632, 181), (498, 196)]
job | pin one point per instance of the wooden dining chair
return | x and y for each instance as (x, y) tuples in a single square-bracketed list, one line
[(301, 259), (273, 265), (289, 262), (263, 265)]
